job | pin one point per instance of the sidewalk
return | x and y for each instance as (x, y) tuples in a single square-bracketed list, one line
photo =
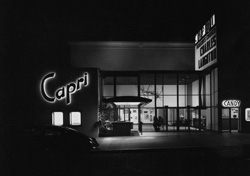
[(166, 140)]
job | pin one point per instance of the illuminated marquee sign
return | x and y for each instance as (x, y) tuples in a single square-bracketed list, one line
[(63, 92), (206, 45), (231, 103)]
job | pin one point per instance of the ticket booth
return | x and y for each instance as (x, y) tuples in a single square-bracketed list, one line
[(127, 114), (230, 115)]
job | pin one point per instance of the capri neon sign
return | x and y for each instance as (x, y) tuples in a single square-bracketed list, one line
[(63, 92)]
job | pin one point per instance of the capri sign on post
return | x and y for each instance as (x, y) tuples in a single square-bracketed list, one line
[(65, 91)]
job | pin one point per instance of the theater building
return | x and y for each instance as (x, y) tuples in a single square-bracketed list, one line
[(113, 88)]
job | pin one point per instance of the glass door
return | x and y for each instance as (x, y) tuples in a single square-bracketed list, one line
[(171, 116), (194, 119), (134, 117), (129, 114), (234, 119), (147, 116), (188, 119), (124, 114), (185, 119), (225, 119), (161, 119), (230, 119)]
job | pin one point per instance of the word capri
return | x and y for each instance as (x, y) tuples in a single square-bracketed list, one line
[(63, 92)]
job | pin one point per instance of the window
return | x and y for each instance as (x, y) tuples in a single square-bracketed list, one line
[(108, 86), (75, 118), (126, 86), (57, 118), (247, 114)]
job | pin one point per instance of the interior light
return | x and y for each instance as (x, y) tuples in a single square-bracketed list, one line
[(128, 100), (75, 118), (57, 118), (127, 103)]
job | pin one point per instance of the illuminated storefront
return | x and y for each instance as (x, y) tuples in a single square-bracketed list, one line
[(187, 100), (184, 99), (112, 88)]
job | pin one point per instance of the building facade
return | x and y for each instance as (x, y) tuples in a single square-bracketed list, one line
[(186, 99), (100, 87)]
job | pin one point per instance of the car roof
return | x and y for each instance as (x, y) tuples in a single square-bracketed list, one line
[(59, 127)]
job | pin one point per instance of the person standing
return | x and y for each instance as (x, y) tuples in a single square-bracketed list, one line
[(155, 123), (161, 123)]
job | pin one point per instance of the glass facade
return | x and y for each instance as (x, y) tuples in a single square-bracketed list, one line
[(214, 99), (149, 90), (126, 86), (186, 101)]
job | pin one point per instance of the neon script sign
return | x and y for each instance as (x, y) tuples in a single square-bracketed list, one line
[(63, 92)]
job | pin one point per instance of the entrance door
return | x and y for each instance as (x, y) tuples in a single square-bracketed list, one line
[(171, 122), (195, 122), (124, 114), (184, 119), (129, 114), (147, 117), (230, 119), (162, 116), (188, 119)]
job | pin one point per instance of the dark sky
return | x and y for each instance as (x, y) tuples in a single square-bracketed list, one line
[(35, 30), (125, 20), (34, 33)]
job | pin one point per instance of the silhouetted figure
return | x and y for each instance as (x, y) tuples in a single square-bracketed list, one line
[(160, 122), (156, 124)]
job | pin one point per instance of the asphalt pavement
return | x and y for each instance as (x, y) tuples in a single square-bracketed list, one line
[(173, 153), (167, 140), (149, 154)]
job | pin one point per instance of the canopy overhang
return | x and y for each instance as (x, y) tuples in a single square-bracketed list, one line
[(128, 100)]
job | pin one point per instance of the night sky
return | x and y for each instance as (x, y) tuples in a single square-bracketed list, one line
[(36, 34), (160, 21), (35, 28)]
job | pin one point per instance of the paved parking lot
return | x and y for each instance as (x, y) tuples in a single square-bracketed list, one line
[(178, 153), (163, 140), (150, 154)]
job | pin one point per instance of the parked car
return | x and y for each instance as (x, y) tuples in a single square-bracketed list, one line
[(58, 139)]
